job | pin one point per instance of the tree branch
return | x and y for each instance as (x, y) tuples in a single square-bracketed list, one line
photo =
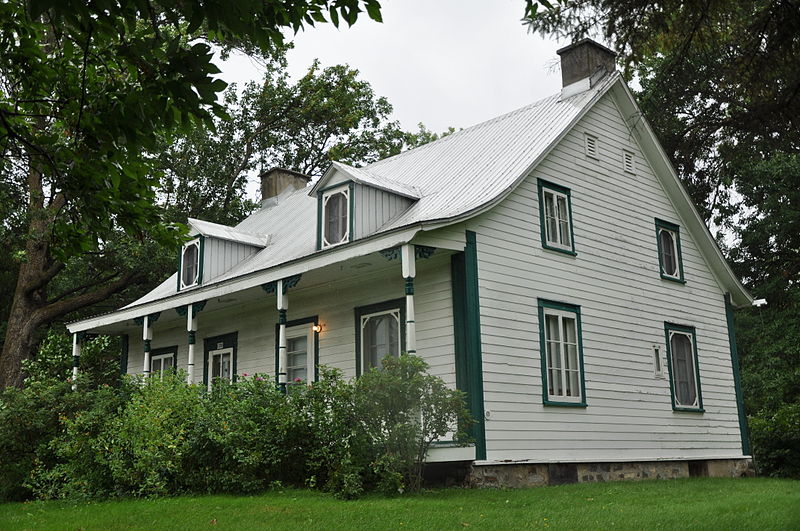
[(59, 309)]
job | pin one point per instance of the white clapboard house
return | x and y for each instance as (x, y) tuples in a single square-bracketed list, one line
[(547, 262)]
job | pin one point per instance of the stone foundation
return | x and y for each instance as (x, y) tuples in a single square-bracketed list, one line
[(513, 475)]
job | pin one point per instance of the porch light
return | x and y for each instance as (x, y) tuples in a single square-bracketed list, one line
[(317, 328)]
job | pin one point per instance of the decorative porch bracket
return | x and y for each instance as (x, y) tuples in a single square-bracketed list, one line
[(420, 252), (288, 282)]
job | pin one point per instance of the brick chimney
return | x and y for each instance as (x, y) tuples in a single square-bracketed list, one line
[(583, 64), (277, 180)]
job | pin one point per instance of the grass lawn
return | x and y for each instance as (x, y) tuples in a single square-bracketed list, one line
[(700, 503)]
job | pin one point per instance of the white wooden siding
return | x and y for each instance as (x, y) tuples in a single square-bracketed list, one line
[(219, 256), (373, 208), (624, 304), (334, 303)]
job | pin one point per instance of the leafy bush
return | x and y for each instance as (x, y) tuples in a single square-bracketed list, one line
[(152, 437), (403, 411), (776, 441)]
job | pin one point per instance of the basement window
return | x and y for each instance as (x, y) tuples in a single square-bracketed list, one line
[(191, 270)]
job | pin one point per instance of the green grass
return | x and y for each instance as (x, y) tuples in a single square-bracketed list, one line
[(758, 503)]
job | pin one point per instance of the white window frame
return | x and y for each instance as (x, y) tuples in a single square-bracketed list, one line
[(591, 143), (160, 357), (345, 191), (663, 226), (294, 332), (697, 405), (211, 355), (366, 317), (195, 243), (548, 237), (561, 314)]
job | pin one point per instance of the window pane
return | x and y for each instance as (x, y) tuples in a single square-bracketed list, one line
[(563, 221), (551, 223), (668, 259), (381, 334), (166, 363), (683, 370), (335, 218), (226, 367), (189, 271), (215, 367)]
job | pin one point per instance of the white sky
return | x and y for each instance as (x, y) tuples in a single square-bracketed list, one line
[(443, 63)]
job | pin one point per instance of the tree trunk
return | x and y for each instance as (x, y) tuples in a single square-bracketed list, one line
[(21, 340)]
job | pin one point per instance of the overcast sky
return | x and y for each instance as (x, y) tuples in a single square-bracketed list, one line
[(443, 63)]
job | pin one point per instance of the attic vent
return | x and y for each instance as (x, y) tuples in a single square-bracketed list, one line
[(591, 146), (627, 161)]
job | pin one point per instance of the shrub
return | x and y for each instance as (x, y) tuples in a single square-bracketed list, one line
[(151, 436), (145, 444), (403, 410), (776, 441)]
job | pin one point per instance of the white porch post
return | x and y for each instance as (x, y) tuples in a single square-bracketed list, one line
[(409, 267), (283, 304), (76, 358), (147, 336), (191, 328)]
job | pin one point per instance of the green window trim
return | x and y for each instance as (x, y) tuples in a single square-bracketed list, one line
[(544, 305), (311, 321), (394, 304), (543, 185), (689, 330), (200, 259), (676, 230), (157, 352), (350, 205), (230, 340)]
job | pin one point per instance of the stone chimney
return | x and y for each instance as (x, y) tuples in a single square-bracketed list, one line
[(583, 64), (278, 180)]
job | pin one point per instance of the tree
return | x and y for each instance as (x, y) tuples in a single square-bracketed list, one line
[(328, 114), (88, 91)]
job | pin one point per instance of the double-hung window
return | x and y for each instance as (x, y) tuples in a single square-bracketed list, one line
[(335, 216), (300, 351), (191, 271), (669, 250), (220, 365), (379, 332), (684, 374), (561, 352), (555, 216), (162, 361)]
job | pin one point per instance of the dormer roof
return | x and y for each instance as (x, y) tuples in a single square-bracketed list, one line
[(224, 232)]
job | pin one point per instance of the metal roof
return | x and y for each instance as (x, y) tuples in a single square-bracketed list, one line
[(223, 232), (450, 177)]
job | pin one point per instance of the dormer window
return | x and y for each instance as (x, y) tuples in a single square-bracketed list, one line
[(190, 273), (335, 218)]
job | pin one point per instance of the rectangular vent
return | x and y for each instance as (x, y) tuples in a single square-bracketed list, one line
[(627, 161), (591, 146)]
